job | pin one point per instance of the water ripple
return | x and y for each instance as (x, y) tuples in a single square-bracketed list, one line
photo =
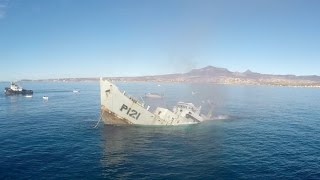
[(256, 133)]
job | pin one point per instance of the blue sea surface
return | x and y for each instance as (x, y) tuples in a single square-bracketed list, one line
[(257, 132)]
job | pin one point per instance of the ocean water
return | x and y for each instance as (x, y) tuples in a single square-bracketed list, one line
[(257, 132)]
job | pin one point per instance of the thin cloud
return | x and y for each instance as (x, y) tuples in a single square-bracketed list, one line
[(3, 8)]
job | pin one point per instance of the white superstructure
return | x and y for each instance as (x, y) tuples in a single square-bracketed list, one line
[(15, 87)]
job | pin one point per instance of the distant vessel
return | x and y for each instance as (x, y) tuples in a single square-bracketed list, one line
[(45, 97), (76, 91), (153, 95), (15, 89), (118, 108)]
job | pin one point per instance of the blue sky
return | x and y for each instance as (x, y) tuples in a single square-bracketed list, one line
[(83, 38)]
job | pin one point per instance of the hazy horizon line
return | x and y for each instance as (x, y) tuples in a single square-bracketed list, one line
[(133, 76)]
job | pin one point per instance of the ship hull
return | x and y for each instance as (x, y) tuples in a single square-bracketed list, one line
[(109, 117), (9, 92), (118, 108)]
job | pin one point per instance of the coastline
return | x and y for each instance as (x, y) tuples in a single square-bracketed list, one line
[(210, 75), (131, 79)]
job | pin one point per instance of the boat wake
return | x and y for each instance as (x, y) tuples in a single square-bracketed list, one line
[(52, 91)]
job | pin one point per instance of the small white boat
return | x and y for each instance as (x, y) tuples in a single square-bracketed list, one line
[(153, 95), (28, 96), (45, 97), (76, 91)]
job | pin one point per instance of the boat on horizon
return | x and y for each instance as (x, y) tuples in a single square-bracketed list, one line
[(15, 89), (119, 108), (153, 95)]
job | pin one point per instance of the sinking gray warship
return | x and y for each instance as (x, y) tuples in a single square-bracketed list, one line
[(119, 108)]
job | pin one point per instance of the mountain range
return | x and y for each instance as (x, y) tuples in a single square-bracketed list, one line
[(211, 74)]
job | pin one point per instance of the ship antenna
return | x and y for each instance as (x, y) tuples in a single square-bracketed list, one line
[(209, 115), (142, 100)]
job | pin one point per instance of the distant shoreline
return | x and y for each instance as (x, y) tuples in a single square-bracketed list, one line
[(210, 75), (69, 80)]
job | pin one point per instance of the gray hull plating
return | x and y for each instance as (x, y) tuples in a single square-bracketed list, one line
[(118, 108)]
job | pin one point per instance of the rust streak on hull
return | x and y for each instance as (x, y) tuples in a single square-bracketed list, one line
[(111, 118)]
